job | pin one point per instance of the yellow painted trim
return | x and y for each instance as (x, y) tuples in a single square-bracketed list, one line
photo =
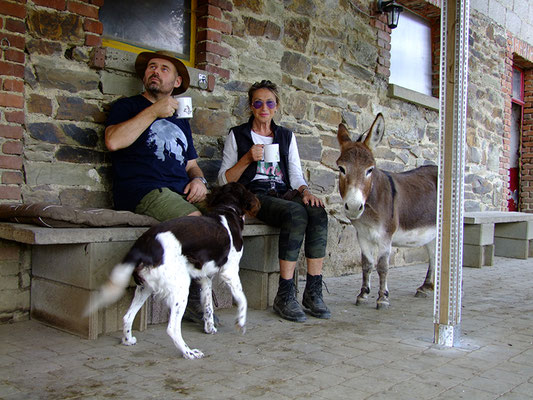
[(136, 49), (192, 45)]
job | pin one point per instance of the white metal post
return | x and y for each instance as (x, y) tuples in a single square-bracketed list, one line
[(452, 130)]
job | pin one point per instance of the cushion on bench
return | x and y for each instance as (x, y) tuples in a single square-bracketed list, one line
[(62, 216)]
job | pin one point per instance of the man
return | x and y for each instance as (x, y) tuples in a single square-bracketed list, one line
[(154, 160)]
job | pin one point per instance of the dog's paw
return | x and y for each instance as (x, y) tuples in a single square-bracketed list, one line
[(240, 328), (210, 329), (191, 354), (129, 342)]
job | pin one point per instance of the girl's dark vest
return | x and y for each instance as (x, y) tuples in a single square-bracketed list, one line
[(243, 137)]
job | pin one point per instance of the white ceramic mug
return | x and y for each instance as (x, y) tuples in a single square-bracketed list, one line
[(184, 109), (271, 153)]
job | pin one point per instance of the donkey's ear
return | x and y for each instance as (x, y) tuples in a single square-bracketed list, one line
[(343, 136), (376, 132)]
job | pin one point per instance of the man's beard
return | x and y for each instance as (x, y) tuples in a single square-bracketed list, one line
[(157, 87), (154, 88)]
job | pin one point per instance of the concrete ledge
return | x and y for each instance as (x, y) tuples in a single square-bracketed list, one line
[(500, 233), (399, 92), (32, 234), (495, 217)]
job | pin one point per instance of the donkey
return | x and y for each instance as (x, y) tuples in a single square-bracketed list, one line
[(387, 209)]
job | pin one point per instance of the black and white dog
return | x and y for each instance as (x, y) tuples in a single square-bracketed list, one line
[(167, 256)]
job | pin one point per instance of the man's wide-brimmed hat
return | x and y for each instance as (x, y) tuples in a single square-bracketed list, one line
[(142, 61)]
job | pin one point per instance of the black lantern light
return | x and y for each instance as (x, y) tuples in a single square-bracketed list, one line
[(393, 11)]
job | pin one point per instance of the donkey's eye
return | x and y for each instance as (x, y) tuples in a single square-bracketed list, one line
[(369, 171), (343, 171)]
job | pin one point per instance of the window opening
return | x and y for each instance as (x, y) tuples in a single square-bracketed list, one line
[(411, 54), (140, 25)]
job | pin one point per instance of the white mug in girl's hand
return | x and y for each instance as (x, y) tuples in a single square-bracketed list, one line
[(271, 153), (184, 109)]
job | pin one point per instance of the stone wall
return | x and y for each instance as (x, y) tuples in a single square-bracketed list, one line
[(15, 281), (484, 187), (329, 57)]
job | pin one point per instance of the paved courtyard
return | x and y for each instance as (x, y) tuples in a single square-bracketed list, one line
[(361, 353)]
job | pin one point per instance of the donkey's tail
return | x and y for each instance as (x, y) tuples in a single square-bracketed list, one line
[(112, 290)]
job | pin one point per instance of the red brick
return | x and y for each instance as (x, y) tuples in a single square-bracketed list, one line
[(384, 44), (98, 3), (12, 147), (15, 117), (93, 40), (211, 23), (209, 58), (11, 100), (382, 71), (83, 9), (223, 73), (14, 25), (11, 131), (380, 25), (209, 47), (12, 177), (11, 69), (11, 162), (384, 61), (15, 41), (93, 26), (210, 35), (56, 4), (12, 85), (13, 9), (15, 56), (211, 83), (10, 192), (223, 4), (385, 36), (208, 9)]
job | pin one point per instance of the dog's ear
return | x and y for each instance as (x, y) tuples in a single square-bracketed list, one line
[(251, 203), (213, 197)]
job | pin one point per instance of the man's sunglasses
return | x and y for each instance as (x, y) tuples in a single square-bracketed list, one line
[(259, 103)]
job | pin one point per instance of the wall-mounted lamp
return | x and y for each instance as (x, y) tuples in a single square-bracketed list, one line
[(393, 11)]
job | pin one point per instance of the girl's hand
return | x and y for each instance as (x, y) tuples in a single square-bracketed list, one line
[(311, 200), (256, 152)]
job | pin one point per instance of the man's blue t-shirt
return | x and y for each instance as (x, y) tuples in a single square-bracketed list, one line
[(155, 160)]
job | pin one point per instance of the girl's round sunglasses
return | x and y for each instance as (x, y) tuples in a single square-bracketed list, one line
[(259, 103)]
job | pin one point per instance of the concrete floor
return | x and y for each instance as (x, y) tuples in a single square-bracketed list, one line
[(361, 353)]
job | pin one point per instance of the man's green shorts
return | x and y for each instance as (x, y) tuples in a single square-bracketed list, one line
[(164, 204)]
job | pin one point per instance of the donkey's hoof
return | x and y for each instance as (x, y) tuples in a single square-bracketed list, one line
[(424, 291), (361, 300), (382, 305)]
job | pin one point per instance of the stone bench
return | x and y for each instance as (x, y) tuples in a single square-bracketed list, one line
[(500, 233), (68, 264)]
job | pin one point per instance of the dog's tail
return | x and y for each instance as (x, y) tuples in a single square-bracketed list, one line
[(112, 290)]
